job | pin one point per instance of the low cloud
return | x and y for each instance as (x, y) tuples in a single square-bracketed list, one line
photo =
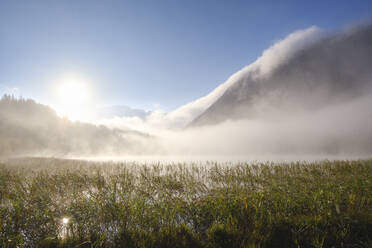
[(278, 53), (343, 129)]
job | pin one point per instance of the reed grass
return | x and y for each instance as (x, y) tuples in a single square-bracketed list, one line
[(107, 204)]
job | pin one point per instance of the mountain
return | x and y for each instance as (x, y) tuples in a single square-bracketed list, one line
[(121, 111), (30, 128), (325, 72)]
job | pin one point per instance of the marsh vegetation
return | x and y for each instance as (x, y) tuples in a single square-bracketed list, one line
[(74, 203)]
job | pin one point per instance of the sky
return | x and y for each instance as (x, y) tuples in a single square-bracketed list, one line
[(148, 54)]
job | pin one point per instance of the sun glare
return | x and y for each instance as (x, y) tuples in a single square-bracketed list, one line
[(65, 220), (73, 98)]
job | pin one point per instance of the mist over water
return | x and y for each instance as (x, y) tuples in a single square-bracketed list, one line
[(337, 130)]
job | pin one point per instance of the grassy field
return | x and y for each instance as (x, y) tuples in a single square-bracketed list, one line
[(71, 203)]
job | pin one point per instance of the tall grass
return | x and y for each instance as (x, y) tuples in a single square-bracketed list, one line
[(320, 204)]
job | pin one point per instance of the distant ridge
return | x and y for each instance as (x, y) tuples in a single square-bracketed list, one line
[(30, 128), (331, 70)]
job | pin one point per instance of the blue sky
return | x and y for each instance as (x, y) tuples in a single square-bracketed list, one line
[(141, 53)]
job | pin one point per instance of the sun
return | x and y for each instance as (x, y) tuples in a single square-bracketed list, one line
[(74, 97)]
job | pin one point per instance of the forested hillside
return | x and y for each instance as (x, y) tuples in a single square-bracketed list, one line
[(30, 128)]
